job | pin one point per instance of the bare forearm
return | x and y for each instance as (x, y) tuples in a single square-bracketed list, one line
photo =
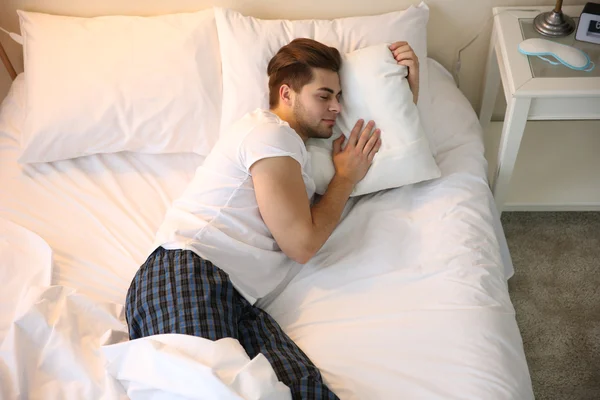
[(414, 88), (351, 165), (326, 214)]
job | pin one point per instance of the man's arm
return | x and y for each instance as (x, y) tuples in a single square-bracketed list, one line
[(405, 55), (299, 230)]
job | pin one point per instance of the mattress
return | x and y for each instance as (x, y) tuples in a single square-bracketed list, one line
[(408, 297)]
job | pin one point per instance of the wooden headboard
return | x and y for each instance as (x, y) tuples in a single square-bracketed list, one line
[(452, 24)]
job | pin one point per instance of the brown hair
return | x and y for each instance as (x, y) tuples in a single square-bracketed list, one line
[(293, 63)]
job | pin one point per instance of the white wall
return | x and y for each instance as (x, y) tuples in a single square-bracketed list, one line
[(452, 22)]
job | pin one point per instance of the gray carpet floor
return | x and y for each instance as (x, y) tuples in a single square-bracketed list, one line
[(556, 294)]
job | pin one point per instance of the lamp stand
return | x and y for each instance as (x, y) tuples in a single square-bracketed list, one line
[(554, 23)]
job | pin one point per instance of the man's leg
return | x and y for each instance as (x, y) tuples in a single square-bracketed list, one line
[(176, 291), (258, 332)]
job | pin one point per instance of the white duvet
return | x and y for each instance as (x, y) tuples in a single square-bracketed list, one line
[(407, 299), (59, 344)]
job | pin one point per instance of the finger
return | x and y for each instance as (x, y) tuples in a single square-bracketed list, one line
[(365, 135), (354, 134), (372, 141), (408, 63), (337, 144), (376, 148), (402, 49), (407, 55), (395, 45)]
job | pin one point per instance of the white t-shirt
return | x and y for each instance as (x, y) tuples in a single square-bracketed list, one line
[(217, 217)]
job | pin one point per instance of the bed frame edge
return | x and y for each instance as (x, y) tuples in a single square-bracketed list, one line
[(7, 64)]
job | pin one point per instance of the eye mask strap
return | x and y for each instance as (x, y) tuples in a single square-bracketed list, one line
[(551, 62), (592, 65)]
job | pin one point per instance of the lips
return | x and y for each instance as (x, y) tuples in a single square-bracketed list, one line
[(329, 121)]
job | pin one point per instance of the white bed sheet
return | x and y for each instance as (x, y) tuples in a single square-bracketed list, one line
[(407, 298), (56, 343), (416, 304), (99, 214)]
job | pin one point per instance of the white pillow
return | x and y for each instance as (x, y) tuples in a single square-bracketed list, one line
[(248, 44), (375, 88), (115, 83)]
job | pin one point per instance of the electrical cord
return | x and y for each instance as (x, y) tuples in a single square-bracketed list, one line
[(14, 36), (457, 62)]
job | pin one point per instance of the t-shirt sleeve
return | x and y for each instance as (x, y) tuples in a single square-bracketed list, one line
[(271, 141)]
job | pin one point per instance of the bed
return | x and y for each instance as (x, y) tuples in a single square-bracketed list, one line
[(407, 299)]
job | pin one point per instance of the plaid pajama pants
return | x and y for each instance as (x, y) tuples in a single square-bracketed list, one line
[(176, 291)]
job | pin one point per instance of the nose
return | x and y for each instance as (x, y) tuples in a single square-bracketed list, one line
[(335, 106)]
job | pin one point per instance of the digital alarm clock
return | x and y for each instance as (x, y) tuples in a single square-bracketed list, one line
[(588, 29)]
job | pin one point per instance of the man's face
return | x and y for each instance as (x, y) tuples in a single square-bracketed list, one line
[(317, 105)]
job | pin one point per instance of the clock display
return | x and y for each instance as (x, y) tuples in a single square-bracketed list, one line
[(588, 29), (594, 27)]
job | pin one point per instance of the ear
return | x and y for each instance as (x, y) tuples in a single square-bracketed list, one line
[(285, 95)]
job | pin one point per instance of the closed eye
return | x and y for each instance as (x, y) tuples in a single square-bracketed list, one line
[(329, 90)]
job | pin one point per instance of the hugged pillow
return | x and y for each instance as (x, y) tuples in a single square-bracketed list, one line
[(375, 88), (120, 83), (248, 44)]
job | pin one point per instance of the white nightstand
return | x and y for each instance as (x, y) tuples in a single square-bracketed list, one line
[(534, 89)]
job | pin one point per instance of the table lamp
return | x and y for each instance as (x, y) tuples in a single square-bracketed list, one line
[(554, 23)]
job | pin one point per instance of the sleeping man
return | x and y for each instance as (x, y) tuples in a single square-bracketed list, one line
[(245, 224)]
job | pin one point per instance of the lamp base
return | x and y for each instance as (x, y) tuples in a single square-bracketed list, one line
[(554, 24)]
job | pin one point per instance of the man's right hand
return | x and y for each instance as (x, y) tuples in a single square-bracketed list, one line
[(353, 162)]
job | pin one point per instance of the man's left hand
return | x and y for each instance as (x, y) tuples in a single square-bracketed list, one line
[(405, 55)]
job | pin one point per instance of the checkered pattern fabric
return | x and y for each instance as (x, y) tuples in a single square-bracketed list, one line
[(176, 291)]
